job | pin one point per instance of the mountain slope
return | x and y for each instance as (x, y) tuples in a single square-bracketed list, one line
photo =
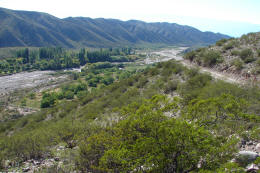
[(24, 28), (239, 57)]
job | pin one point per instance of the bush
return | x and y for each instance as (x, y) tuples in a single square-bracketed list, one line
[(107, 80), (24, 102), (69, 95), (190, 55), (235, 52), (249, 59), (246, 53), (228, 46), (28, 146), (221, 42), (32, 96), (211, 58), (170, 87), (93, 82), (48, 100), (258, 52), (80, 87), (141, 82), (237, 63), (148, 141)]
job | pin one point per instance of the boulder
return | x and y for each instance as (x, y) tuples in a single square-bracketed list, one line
[(246, 157)]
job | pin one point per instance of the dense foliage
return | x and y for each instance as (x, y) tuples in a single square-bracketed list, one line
[(59, 58), (148, 141)]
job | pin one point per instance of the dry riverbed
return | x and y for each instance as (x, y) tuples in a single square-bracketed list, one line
[(27, 80)]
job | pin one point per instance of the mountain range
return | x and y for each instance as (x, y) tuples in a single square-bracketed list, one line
[(36, 29)]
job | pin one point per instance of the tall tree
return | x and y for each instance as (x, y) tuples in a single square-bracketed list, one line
[(81, 56)]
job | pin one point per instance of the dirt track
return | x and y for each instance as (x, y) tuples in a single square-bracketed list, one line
[(168, 54)]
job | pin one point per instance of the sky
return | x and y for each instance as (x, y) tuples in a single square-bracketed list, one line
[(232, 17)]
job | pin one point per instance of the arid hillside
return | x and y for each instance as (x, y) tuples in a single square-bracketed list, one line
[(240, 56)]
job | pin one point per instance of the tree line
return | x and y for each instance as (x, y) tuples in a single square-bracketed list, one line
[(49, 58)]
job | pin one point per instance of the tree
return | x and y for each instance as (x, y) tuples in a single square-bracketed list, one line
[(48, 100), (81, 56), (26, 55)]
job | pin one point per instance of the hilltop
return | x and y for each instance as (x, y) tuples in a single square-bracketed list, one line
[(35, 29)]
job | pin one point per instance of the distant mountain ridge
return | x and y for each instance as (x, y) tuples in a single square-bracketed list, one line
[(26, 28)]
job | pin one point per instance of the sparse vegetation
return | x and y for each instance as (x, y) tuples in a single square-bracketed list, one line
[(239, 56)]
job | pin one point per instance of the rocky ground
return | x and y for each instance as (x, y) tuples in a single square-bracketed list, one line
[(59, 161), (27, 80)]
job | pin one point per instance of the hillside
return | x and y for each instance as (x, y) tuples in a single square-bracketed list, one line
[(239, 57), (35, 29), (107, 119)]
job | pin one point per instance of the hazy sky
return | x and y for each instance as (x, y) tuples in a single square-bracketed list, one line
[(213, 15)]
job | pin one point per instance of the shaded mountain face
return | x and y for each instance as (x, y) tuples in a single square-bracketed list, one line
[(24, 28)]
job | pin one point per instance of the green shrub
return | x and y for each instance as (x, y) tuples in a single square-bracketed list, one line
[(146, 139), (28, 146), (48, 100), (141, 82), (107, 80), (69, 95), (237, 63), (246, 53), (170, 87), (32, 95), (60, 95), (82, 94), (211, 58), (24, 102), (221, 42), (93, 82), (228, 46), (258, 52), (190, 55), (235, 53), (249, 59)]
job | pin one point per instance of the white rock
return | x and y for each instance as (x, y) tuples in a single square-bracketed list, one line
[(257, 148), (246, 156)]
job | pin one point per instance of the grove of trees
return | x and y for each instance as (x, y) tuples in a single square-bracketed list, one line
[(47, 58)]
